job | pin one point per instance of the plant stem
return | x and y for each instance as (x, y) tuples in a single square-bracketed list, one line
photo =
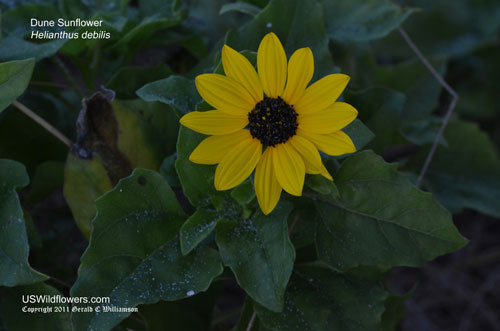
[(56, 133), (224, 317), (252, 320), (449, 112), (60, 282)]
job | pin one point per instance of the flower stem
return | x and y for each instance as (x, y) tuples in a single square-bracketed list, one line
[(56, 133)]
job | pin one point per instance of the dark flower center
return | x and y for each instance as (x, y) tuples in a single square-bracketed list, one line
[(272, 121)]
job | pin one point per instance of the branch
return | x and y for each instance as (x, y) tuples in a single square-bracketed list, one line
[(60, 282), (449, 112), (56, 133), (252, 320)]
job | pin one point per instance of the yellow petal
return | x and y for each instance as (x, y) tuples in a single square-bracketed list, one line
[(322, 94), (214, 148), (309, 153), (238, 163), (213, 122), (328, 120), (336, 143), (271, 64), (267, 188), (289, 168), (237, 67), (300, 73), (224, 93), (324, 172)]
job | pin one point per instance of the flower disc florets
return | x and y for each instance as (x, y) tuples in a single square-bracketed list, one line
[(272, 121)]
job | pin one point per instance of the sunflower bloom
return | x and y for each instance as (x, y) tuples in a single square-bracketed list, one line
[(270, 120)]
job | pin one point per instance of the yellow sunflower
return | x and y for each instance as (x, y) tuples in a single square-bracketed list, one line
[(270, 121)]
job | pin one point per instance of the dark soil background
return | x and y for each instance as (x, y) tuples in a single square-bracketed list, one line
[(459, 291)]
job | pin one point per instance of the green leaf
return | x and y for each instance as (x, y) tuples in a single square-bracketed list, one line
[(478, 94), (14, 319), (84, 9), (318, 299), (422, 92), (176, 91), (422, 130), (16, 20), (167, 170), (134, 254), (362, 20), (394, 311), (241, 7), (87, 44), (95, 163), (196, 228), (260, 254), (209, 24), (84, 182), (381, 219), (142, 32), (381, 110), (34, 238), (359, 133), (197, 180), (14, 79), (412, 77), (246, 314), (149, 131), (321, 185), (243, 193), (58, 241), (112, 139), (297, 23), (152, 7), (128, 79), (193, 313), (304, 218), (14, 250), (258, 3), (49, 176), (466, 174), (16, 48), (443, 28)]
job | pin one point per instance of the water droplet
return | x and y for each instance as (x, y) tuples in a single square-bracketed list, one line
[(190, 293)]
